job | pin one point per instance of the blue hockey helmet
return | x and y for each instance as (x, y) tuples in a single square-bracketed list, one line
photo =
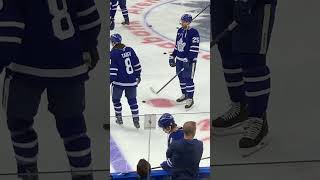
[(186, 18), (116, 38), (166, 120)]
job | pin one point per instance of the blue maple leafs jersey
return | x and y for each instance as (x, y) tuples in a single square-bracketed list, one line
[(187, 45), (46, 38), (125, 67), (175, 136)]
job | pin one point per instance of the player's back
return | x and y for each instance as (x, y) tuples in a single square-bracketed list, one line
[(54, 37), (186, 158), (124, 59)]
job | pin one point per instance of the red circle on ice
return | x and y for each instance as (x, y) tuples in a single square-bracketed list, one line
[(161, 102)]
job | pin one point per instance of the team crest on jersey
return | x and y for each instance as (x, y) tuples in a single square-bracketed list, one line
[(181, 45)]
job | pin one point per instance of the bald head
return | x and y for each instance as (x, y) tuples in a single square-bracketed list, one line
[(189, 129)]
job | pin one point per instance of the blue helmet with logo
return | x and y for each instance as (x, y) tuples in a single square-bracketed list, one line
[(166, 120), (186, 18), (116, 38)]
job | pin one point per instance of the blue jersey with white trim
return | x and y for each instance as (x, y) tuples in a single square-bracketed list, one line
[(187, 45), (54, 35), (175, 135), (125, 67)]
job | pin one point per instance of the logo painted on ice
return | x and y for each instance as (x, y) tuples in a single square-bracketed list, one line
[(181, 45)]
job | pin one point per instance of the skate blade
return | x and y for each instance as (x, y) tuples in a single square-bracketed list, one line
[(247, 152)]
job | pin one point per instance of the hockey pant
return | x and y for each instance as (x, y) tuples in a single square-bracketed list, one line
[(243, 54), (186, 78), (66, 102), (131, 95)]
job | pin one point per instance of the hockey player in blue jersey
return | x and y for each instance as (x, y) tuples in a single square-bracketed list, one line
[(113, 9), (184, 58), (184, 156), (125, 70), (243, 53), (168, 125), (48, 45)]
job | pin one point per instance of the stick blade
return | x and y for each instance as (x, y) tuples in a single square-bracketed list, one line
[(152, 90)]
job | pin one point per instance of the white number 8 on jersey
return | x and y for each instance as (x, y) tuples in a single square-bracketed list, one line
[(59, 15), (129, 67)]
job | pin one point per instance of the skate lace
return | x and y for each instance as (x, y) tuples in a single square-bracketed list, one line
[(253, 127), (233, 112)]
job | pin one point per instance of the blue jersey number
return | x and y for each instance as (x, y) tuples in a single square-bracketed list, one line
[(128, 65), (58, 16)]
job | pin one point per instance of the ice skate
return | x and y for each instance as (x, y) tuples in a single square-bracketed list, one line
[(119, 120), (126, 22), (230, 122), (255, 136), (182, 98), (136, 122), (189, 104), (82, 177)]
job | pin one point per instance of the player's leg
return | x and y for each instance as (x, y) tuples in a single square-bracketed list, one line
[(67, 103), (113, 10), (188, 76), (131, 94), (20, 102), (236, 114), (123, 7), (179, 66), (251, 44), (116, 99)]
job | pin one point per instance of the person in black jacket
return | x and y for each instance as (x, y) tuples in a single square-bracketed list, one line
[(183, 156)]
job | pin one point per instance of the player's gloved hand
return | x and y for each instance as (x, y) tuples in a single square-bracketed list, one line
[(172, 62), (243, 11), (91, 58), (138, 80)]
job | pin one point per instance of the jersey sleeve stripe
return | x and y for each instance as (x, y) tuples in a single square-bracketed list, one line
[(138, 69), (50, 73), (113, 69), (87, 11), (10, 39), (90, 25), (15, 24)]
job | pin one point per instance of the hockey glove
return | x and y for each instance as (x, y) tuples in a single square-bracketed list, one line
[(243, 11), (172, 63), (91, 58)]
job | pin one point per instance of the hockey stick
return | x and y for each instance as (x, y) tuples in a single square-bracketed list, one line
[(157, 92), (230, 28), (200, 12)]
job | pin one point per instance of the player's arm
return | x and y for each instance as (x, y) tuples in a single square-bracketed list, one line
[(113, 69), (89, 26), (173, 55), (136, 66), (194, 47), (12, 28), (168, 164)]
